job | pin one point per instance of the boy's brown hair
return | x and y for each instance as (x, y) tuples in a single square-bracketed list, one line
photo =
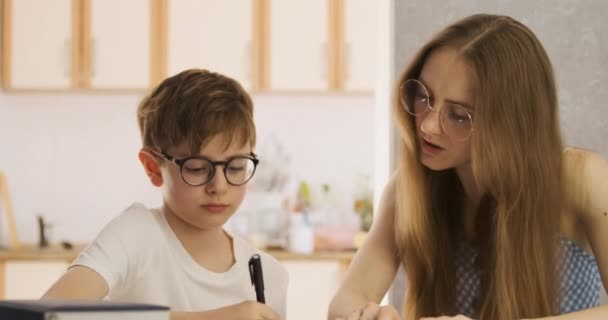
[(194, 106)]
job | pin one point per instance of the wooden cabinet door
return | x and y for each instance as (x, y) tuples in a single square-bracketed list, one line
[(212, 35), (298, 45), (117, 48), (39, 44), (360, 44)]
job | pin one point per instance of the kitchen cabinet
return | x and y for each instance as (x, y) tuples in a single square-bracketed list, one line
[(359, 54), (213, 35), (117, 45), (40, 44), (267, 45), (320, 45), (80, 44), (298, 45)]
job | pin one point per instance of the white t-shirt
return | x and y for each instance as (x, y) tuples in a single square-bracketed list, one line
[(142, 260)]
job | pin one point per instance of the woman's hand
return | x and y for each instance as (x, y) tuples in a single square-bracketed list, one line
[(372, 311)]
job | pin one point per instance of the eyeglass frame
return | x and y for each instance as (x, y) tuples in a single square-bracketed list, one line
[(180, 163), (429, 107)]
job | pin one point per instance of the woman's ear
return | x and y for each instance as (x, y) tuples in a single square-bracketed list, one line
[(152, 167)]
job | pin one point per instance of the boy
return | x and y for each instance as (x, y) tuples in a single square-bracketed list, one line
[(198, 137)]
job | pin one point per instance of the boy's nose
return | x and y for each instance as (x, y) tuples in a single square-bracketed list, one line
[(431, 122), (218, 182)]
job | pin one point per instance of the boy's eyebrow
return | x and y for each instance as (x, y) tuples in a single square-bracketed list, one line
[(452, 101), (247, 155)]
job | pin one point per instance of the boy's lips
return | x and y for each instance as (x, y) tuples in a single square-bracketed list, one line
[(215, 207)]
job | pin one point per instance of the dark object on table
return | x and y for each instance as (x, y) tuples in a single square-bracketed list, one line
[(42, 240), (80, 309), (67, 245)]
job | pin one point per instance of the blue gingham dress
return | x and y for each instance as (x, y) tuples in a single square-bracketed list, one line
[(580, 281)]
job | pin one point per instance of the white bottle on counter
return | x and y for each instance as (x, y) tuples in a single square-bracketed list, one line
[(301, 234)]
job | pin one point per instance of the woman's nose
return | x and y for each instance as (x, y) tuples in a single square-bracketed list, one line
[(431, 122)]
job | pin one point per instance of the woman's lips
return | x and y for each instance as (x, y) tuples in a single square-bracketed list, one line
[(430, 148)]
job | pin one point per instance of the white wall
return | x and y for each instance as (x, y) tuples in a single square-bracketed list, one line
[(73, 157)]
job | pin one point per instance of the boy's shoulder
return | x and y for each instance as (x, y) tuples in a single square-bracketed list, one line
[(137, 218), (138, 212), (269, 260)]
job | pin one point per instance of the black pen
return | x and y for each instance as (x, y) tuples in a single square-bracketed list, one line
[(257, 279)]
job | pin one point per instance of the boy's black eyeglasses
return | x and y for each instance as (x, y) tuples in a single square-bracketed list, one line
[(197, 171)]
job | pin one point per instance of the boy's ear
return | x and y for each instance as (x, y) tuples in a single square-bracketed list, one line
[(150, 163)]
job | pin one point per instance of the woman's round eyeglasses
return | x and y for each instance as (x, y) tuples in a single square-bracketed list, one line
[(456, 120)]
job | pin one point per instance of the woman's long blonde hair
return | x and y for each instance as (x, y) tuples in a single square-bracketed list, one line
[(516, 161)]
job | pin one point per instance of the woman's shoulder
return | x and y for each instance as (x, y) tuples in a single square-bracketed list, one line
[(576, 154), (585, 177), (581, 165), (391, 185)]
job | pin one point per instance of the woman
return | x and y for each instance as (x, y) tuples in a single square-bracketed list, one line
[(488, 214)]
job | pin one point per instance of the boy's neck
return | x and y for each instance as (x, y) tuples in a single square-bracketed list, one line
[(211, 248)]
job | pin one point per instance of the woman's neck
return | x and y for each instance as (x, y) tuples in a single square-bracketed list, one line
[(471, 189), (473, 196)]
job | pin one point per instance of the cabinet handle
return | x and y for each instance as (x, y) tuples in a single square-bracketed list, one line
[(67, 57), (323, 60), (348, 62), (93, 56), (247, 57)]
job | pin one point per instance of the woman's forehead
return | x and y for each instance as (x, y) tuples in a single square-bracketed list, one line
[(446, 73)]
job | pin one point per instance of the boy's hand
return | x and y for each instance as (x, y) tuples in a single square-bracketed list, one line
[(253, 310), (246, 310), (372, 311)]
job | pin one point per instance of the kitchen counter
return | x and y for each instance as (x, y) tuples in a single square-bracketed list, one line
[(46, 265), (31, 252)]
